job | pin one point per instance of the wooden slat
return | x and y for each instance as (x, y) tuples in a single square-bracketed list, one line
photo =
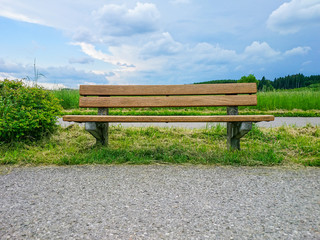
[(176, 101), (159, 90), (225, 118)]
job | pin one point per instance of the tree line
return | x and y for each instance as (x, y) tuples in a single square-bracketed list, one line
[(295, 81), (287, 82)]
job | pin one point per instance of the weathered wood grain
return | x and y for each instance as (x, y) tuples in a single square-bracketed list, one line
[(225, 118), (159, 90), (175, 101)]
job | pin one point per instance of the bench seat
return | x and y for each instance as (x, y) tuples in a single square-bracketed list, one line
[(223, 118)]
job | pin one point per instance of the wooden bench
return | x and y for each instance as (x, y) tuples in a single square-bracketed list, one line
[(231, 96)]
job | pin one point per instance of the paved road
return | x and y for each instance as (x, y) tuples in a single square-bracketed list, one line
[(159, 202), (279, 121)]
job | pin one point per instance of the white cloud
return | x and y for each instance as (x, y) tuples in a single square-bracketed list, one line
[(306, 63), (162, 55), (292, 16), (83, 60), (19, 17), (260, 52), (69, 76), (86, 20), (90, 50), (5, 75), (49, 86), (206, 53), (180, 1), (99, 72), (119, 20), (160, 45), (45, 12), (297, 51)]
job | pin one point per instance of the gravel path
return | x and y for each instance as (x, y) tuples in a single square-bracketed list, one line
[(279, 121), (159, 202)]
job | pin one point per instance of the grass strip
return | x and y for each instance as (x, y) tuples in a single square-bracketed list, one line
[(303, 99), (289, 100), (261, 147)]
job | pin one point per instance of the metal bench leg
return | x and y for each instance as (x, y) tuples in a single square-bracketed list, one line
[(236, 130), (99, 130)]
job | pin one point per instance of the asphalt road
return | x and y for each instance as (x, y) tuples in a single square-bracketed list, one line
[(279, 121), (159, 202)]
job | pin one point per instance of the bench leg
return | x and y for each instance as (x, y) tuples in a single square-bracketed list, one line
[(236, 130), (232, 142), (99, 131)]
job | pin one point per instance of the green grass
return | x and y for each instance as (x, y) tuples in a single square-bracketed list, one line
[(261, 147), (288, 100), (291, 103), (69, 98)]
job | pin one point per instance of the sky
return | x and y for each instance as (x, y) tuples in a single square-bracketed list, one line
[(157, 41)]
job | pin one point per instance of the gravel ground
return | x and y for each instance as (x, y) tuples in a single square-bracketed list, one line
[(159, 202), (279, 121)]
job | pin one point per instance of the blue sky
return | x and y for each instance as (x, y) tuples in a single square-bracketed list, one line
[(157, 42)]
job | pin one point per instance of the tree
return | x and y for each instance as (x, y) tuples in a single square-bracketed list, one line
[(265, 85), (248, 79)]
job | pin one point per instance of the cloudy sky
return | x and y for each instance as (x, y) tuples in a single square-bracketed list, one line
[(157, 42)]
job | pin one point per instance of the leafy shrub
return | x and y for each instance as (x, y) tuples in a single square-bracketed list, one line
[(248, 79), (26, 112)]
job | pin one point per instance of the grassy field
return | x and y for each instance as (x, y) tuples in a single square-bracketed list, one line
[(265, 147), (288, 100), (300, 103), (69, 98)]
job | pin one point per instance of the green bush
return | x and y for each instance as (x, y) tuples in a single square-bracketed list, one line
[(248, 79), (26, 112)]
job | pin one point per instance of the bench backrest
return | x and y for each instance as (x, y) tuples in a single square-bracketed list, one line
[(195, 95)]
